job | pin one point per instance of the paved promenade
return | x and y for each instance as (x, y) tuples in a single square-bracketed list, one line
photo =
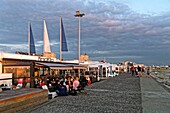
[(118, 94), (121, 94), (155, 98)]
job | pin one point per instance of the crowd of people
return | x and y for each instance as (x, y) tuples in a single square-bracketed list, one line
[(138, 71), (67, 85)]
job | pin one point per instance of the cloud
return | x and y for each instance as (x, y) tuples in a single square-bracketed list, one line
[(109, 23), (101, 52), (120, 57), (108, 27), (14, 47)]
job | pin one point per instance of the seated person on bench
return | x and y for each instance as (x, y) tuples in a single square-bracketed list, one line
[(61, 89), (76, 85)]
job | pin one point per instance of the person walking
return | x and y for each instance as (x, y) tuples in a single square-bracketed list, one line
[(148, 73), (132, 70), (139, 71)]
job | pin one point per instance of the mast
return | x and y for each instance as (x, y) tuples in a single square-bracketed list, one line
[(60, 38), (28, 38)]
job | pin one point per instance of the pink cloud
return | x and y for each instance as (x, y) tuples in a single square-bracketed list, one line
[(110, 23)]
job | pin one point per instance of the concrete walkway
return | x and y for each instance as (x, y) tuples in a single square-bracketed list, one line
[(155, 99)]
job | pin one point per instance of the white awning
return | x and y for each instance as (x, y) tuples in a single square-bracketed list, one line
[(61, 68), (79, 67), (93, 66), (57, 65), (52, 64)]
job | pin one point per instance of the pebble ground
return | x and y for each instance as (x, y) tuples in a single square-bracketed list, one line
[(120, 94)]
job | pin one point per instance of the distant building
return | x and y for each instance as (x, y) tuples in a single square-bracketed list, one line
[(84, 57), (49, 54)]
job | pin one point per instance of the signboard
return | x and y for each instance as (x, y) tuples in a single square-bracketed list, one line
[(45, 59)]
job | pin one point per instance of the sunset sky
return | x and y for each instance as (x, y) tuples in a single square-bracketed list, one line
[(114, 30)]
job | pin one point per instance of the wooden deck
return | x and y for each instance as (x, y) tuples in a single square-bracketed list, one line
[(16, 100)]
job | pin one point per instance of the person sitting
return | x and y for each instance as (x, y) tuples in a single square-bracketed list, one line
[(83, 81), (20, 83), (61, 89), (57, 85), (41, 83), (76, 85), (69, 84), (36, 83), (88, 80), (63, 80)]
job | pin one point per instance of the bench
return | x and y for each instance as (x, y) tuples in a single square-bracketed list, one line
[(51, 95)]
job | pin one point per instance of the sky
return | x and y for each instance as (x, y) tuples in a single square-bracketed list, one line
[(114, 30)]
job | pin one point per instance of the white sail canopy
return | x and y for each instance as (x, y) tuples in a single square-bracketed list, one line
[(46, 39)]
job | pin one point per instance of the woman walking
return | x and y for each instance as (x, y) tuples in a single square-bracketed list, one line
[(148, 73)]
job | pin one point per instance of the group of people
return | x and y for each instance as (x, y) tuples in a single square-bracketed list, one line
[(67, 85), (138, 71)]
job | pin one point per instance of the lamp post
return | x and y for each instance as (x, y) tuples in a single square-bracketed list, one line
[(79, 15)]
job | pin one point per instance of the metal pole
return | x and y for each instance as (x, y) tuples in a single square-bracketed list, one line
[(79, 15), (60, 41), (79, 40), (28, 38)]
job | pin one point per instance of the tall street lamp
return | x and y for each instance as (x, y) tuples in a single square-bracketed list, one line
[(79, 15)]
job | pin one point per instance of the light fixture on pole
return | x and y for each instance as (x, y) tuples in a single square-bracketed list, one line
[(79, 15)]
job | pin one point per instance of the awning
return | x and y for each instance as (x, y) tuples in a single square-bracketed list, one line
[(93, 66), (16, 67), (61, 68), (55, 65), (51, 64), (79, 67)]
